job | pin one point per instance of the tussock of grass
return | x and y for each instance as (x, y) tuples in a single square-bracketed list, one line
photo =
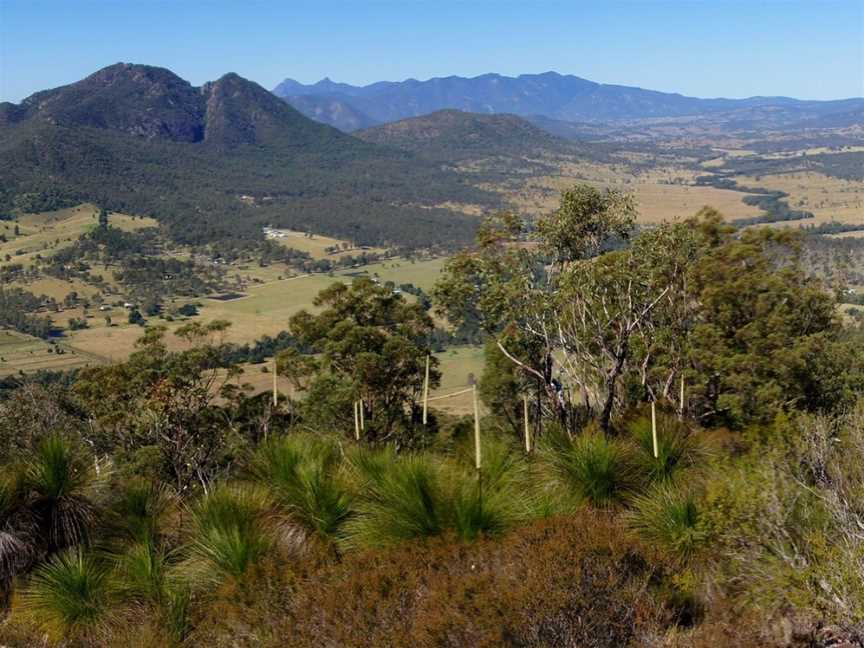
[(67, 597), (419, 496), (300, 473), (231, 533), (592, 469), (672, 519), (677, 448)]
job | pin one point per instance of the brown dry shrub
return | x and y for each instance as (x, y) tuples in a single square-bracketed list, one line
[(576, 581)]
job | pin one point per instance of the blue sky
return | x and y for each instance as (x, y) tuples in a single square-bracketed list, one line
[(807, 49)]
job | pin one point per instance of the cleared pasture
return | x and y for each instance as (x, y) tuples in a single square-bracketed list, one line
[(662, 194), (829, 199), (47, 232), (19, 352), (263, 309), (319, 246)]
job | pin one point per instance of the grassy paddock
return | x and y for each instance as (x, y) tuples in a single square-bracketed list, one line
[(47, 232), (19, 352), (317, 245), (263, 310)]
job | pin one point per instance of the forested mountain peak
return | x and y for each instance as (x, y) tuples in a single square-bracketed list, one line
[(239, 111), (153, 102), (217, 162), (138, 99)]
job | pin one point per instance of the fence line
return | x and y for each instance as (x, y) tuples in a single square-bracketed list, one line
[(463, 391)]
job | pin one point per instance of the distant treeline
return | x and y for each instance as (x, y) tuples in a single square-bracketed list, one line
[(17, 308)]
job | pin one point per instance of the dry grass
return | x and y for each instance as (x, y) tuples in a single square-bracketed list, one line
[(264, 310), (663, 194), (19, 352), (48, 232), (456, 364), (830, 199)]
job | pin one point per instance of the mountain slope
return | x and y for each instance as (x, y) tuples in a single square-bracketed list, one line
[(332, 111), (456, 135), (217, 163), (552, 95)]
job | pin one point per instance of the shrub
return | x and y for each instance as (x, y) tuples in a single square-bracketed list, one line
[(300, 472), (67, 597), (592, 468), (672, 519), (577, 581)]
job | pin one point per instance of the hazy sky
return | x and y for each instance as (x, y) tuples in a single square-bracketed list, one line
[(807, 49)]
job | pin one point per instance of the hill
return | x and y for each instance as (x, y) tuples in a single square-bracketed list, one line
[(218, 162), (552, 95), (456, 135)]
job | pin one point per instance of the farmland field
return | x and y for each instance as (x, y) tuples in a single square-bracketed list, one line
[(317, 245), (828, 198), (263, 309), (48, 232), (456, 365), (20, 352), (663, 194)]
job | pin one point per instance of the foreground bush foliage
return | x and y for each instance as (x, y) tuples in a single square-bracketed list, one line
[(154, 503)]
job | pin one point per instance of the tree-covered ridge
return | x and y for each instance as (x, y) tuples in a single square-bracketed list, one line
[(455, 135), (218, 162)]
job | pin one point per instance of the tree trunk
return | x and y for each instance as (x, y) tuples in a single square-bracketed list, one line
[(611, 382)]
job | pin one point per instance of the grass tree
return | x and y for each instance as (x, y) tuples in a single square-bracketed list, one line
[(592, 469), (301, 474), (16, 533), (671, 518), (230, 534), (61, 485), (67, 597), (420, 495), (677, 448), (402, 498), (496, 499)]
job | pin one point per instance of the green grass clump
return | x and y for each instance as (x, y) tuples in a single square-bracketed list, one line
[(592, 468), (677, 448), (61, 486), (420, 495), (497, 499), (231, 533), (671, 518), (403, 498), (139, 512), (68, 596), (300, 473)]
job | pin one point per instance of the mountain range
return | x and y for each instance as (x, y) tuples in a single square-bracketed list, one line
[(550, 95), (218, 162)]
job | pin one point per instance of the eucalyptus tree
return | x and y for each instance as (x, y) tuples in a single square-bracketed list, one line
[(370, 345), (561, 292)]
